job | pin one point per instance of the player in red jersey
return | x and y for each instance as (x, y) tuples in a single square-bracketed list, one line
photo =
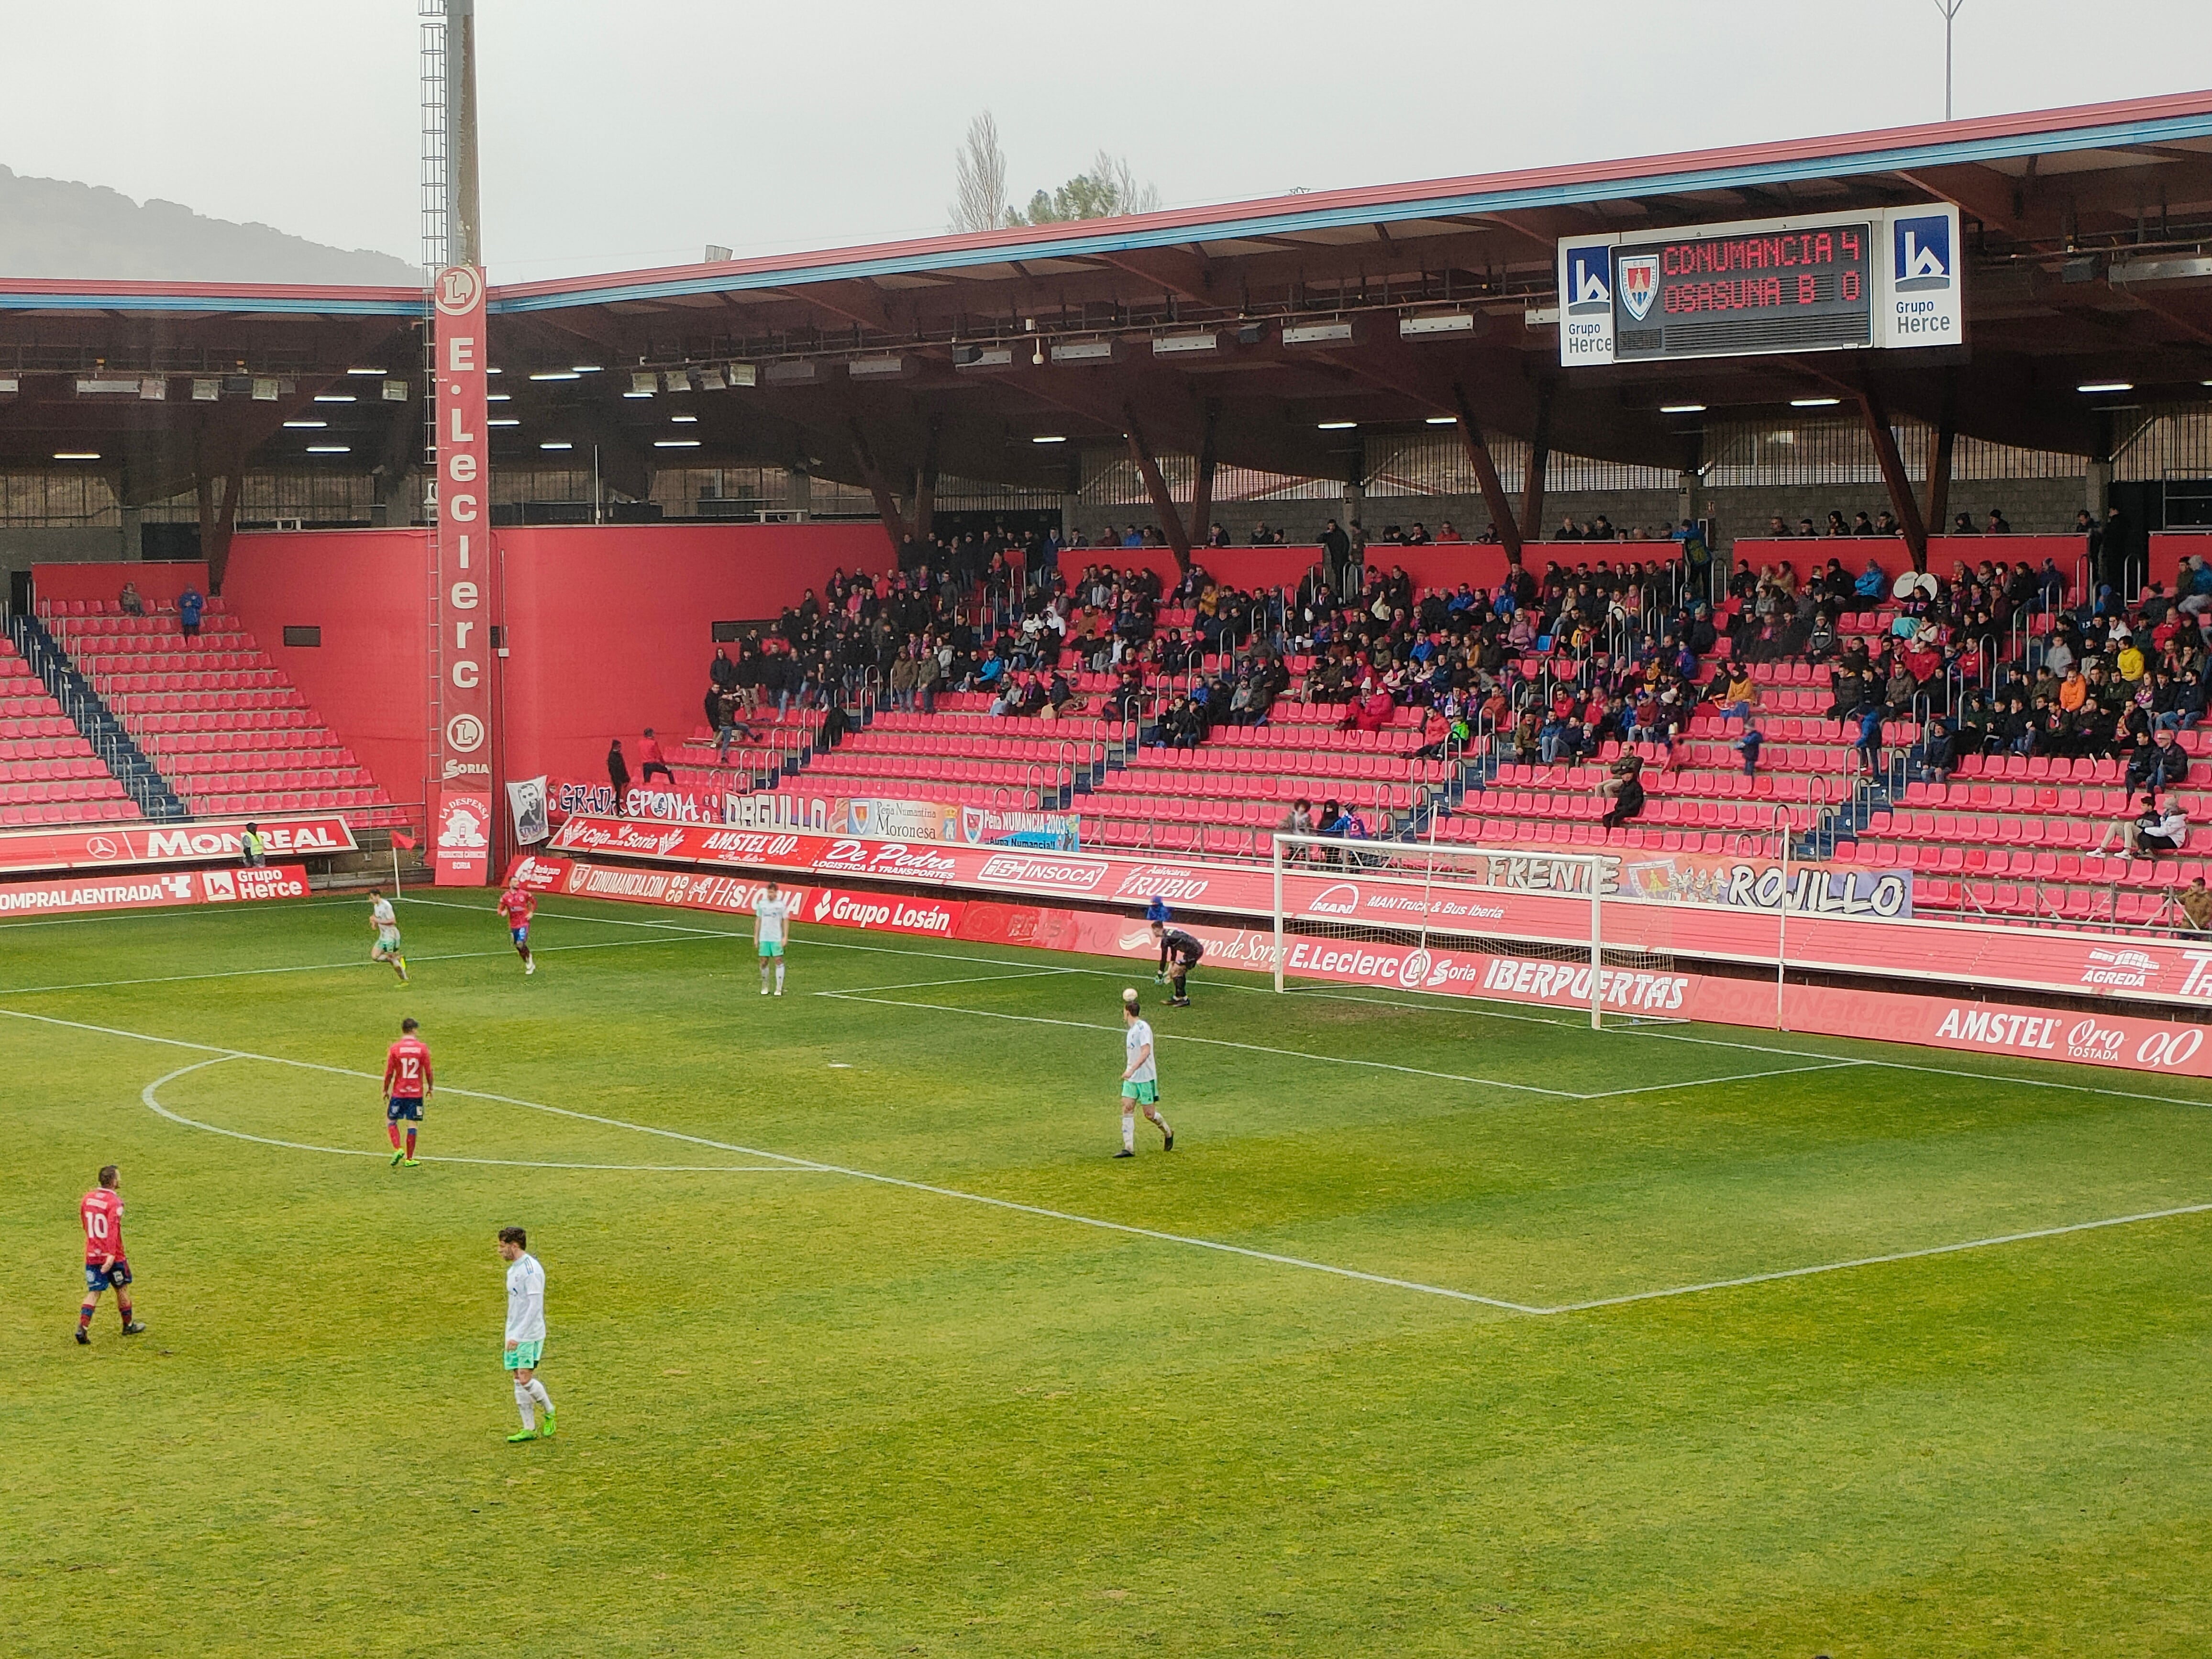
[(406, 1086), (105, 1265), (518, 907)]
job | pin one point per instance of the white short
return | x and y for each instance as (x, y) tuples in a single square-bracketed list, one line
[(387, 939)]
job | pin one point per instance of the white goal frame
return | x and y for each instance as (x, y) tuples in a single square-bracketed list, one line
[(1421, 868)]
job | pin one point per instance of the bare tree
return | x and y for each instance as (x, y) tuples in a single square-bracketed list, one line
[(979, 176)]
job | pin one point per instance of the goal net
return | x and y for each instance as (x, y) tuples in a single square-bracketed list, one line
[(1502, 924)]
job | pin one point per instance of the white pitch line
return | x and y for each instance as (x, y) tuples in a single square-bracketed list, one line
[(1097, 1222), (1877, 1261), (321, 967), (149, 1096), (1711, 1082), (1211, 1043)]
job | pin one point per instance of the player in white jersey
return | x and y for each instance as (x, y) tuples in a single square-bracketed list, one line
[(771, 929), (385, 922), (525, 1333), (1140, 1080)]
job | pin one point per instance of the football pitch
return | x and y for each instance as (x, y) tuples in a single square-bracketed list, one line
[(1446, 1329)]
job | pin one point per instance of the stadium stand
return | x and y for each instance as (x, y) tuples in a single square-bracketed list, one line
[(49, 772), (228, 732)]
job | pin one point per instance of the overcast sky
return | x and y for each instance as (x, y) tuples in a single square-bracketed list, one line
[(622, 134)]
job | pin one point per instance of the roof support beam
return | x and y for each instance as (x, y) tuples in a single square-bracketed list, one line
[(1201, 494), (1485, 475), (925, 481), (1173, 269), (1540, 461), (217, 520), (1893, 473), (1939, 458), (1156, 486), (887, 507), (1979, 193)]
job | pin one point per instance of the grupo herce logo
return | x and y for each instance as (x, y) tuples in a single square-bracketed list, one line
[(1920, 253), (1589, 282), (464, 734)]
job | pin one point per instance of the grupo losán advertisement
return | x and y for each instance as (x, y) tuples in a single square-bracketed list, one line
[(2129, 1041)]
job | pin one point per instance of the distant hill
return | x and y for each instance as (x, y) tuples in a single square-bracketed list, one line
[(51, 228)]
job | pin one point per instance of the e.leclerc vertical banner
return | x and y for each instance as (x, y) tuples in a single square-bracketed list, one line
[(464, 600)]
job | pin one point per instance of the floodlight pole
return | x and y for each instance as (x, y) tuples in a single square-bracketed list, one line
[(464, 210), (1950, 9)]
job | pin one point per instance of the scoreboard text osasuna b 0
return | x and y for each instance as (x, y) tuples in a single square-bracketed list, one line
[(1782, 291)]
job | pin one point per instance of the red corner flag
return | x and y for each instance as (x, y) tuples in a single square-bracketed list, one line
[(401, 838)]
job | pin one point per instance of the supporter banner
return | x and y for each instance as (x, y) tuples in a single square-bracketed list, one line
[(2125, 1042), (1761, 884), (462, 850), (95, 845), (149, 891), (566, 797), (1527, 906), (526, 802), (902, 820)]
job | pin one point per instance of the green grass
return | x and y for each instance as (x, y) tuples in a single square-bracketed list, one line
[(807, 1414)]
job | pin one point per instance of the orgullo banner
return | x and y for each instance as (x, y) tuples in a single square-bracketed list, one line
[(1533, 901), (465, 586), (2128, 1041), (904, 820)]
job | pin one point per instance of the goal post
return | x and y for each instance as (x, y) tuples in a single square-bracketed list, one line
[(1507, 924)]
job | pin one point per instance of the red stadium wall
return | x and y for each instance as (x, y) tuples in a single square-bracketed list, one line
[(364, 589), (2169, 547), (609, 628)]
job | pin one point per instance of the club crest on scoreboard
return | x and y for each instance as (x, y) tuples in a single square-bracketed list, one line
[(1639, 284)]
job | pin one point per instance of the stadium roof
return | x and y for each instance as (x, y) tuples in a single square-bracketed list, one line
[(2086, 231)]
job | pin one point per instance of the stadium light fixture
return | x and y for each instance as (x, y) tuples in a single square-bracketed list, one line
[(1336, 426), (556, 446), (740, 375), (684, 420), (1169, 345), (1050, 438), (306, 424), (2106, 386), (76, 454), (1317, 334), (336, 397), (676, 443), (583, 369), (643, 383), (499, 397), (330, 449), (207, 392), (395, 392), (1440, 322), (1684, 408), (1083, 351), (1814, 402), (1442, 420), (377, 373), (975, 356), (556, 374), (637, 394), (506, 421)]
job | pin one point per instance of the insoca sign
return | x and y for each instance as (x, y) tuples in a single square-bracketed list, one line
[(463, 596)]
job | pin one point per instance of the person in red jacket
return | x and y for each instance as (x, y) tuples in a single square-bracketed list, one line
[(651, 760)]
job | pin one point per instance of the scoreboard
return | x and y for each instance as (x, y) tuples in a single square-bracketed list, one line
[(1822, 283)]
